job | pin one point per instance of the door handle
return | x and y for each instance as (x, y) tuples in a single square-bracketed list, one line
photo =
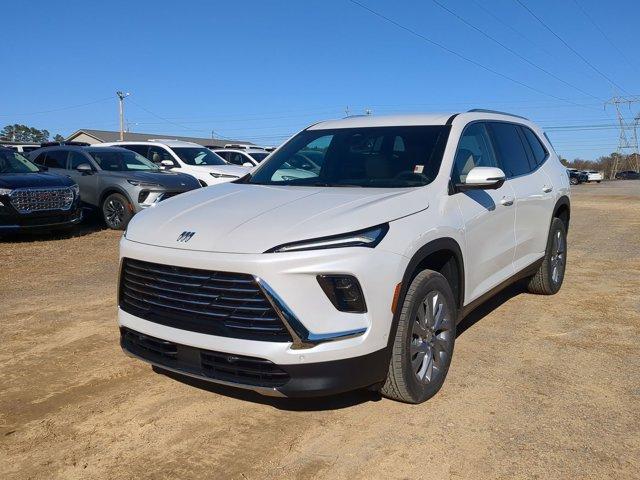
[(506, 201), (547, 189)]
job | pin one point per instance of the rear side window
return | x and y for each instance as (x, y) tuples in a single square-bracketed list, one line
[(141, 149), (511, 151), (56, 159), (539, 152)]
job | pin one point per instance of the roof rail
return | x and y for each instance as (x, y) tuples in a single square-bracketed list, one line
[(484, 110), (65, 142)]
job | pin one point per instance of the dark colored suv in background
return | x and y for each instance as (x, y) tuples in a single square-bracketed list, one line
[(31, 198), (116, 181)]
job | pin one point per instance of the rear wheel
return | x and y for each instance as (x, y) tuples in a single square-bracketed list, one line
[(574, 181), (423, 345), (116, 211), (548, 279)]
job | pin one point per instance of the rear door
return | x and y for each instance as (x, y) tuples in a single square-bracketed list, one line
[(488, 216), (532, 187)]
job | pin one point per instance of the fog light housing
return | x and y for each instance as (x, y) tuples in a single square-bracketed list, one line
[(142, 196), (344, 292)]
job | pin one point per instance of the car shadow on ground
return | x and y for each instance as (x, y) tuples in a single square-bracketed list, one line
[(344, 400), (90, 223)]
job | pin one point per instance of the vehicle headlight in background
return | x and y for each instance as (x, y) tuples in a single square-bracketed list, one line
[(76, 189), (139, 183), (5, 191), (369, 237), (222, 175)]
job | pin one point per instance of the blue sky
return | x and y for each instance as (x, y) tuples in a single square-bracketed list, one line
[(261, 70)]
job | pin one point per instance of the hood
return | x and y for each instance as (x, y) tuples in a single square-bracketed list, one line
[(34, 180), (169, 180), (244, 218)]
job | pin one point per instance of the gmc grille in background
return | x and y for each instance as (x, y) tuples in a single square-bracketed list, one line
[(216, 303)]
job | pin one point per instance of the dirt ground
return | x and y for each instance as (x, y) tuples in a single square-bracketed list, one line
[(540, 387)]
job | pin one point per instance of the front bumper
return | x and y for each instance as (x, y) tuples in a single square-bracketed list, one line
[(257, 374), (40, 221), (293, 276)]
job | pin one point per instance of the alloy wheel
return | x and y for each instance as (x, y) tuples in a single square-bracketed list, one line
[(114, 213), (432, 337)]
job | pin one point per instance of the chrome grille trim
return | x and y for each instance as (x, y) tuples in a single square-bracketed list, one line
[(27, 200)]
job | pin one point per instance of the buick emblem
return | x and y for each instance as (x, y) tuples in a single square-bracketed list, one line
[(184, 237)]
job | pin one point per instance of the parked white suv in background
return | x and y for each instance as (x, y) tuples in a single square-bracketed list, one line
[(250, 157), (185, 157), (594, 176), (353, 274)]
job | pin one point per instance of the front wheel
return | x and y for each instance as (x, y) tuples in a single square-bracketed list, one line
[(423, 345), (548, 279), (574, 181), (116, 211)]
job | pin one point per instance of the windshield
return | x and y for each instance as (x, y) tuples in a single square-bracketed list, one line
[(198, 156), (381, 157), (13, 162), (258, 157), (122, 161)]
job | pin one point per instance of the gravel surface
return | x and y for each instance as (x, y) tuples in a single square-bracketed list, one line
[(540, 387)]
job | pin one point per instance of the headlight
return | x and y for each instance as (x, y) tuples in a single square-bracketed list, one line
[(222, 175), (369, 238), (5, 191), (76, 189), (138, 183)]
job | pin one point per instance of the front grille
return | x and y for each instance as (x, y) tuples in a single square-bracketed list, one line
[(204, 363), (216, 303), (29, 200)]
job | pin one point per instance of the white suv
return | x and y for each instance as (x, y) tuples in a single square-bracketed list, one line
[(185, 157), (249, 157), (351, 273)]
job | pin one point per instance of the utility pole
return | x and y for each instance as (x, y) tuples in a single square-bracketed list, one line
[(121, 97), (628, 140), (347, 112)]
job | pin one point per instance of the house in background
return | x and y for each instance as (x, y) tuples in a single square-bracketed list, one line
[(102, 136)]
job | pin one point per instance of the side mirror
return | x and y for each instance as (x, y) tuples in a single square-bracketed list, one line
[(84, 168), (166, 164), (482, 178), (247, 164)]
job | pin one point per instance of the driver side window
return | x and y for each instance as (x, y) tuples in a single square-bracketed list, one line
[(474, 150)]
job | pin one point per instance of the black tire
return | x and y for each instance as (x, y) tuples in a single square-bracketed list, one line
[(574, 181), (548, 279), (116, 211), (598, 181), (413, 378)]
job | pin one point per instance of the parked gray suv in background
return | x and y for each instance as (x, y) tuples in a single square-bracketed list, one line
[(116, 181)]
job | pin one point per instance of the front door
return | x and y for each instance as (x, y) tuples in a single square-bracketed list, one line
[(88, 183), (488, 215)]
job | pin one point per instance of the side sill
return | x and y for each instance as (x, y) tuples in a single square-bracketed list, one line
[(525, 272)]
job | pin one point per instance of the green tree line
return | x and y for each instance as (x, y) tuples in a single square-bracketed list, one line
[(24, 133)]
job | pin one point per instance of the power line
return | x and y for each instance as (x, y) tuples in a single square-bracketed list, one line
[(57, 109), (593, 67), (512, 51), (593, 22), (457, 54)]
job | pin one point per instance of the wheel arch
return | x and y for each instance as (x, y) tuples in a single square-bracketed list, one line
[(113, 189), (443, 255), (562, 210)]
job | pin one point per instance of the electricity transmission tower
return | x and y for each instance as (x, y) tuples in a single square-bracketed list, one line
[(628, 140)]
